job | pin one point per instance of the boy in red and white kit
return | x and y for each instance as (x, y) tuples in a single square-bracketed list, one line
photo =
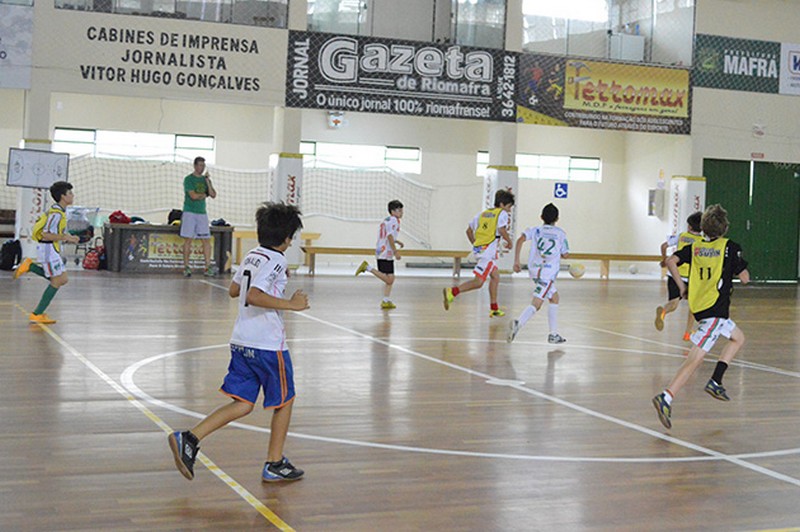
[(386, 252)]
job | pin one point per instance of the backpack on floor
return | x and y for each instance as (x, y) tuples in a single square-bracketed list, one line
[(10, 255)]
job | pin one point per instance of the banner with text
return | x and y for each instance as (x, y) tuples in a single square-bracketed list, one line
[(375, 75), (16, 38), (736, 64), (790, 69), (555, 90), (151, 57)]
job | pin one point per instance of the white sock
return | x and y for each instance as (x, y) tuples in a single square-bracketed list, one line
[(369, 268), (527, 314), (667, 397), (552, 317), (386, 299)]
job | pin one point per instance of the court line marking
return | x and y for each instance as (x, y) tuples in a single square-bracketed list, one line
[(210, 465), (127, 380), (740, 363), (561, 402)]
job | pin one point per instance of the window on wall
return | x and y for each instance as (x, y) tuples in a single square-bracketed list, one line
[(123, 144), (555, 167), (330, 155)]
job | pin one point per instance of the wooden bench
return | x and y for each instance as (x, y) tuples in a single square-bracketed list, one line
[(313, 251), (606, 258), (239, 235)]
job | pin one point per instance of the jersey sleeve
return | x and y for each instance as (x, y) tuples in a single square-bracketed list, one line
[(474, 223), (53, 222), (528, 233), (237, 277), (672, 241), (565, 245), (187, 185), (394, 228), (738, 264), (267, 275), (684, 255), (502, 220)]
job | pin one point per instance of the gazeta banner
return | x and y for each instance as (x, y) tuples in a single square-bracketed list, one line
[(377, 75)]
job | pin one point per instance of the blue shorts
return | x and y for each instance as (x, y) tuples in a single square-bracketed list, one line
[(252, 369)]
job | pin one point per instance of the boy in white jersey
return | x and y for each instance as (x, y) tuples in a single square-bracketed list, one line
[(548, 245), (687, 238), (259, 357), (386, 252), (51, 265), (484, 233), (713, 263)]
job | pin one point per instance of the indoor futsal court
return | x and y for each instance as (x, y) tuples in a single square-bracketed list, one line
[(414, 419)]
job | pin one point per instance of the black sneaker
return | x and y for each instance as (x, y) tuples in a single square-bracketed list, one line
[(184, 446), (280, 471)]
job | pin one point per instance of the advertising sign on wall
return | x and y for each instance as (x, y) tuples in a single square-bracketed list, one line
[(16, 38), (601, 95), (736, 64), (790, 69), (375, 75)]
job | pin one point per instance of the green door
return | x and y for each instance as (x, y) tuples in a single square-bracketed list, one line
[(764, 213), (774, 220), (728, 183)]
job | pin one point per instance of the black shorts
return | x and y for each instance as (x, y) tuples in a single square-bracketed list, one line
[(672, 288), (386, 266)]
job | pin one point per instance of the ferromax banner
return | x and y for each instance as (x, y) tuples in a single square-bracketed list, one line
[(376, 75)]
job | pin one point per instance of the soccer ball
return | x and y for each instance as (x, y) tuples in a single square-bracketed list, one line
[(577, 270), (634, 269)]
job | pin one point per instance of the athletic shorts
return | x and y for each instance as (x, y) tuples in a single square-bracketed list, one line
[(50, 261), (251, 370), (485, 266), (386, 266), (672, 288), (544, 288), (195, 225), (709, 330)]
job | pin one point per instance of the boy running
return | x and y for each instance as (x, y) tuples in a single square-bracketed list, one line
[(484, 233), (386, 252), (548, 245), (259, 356), (712, 264), (687, 238), (51, 266)]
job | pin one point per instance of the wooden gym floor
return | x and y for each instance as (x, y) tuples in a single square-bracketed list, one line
[(408, 420)]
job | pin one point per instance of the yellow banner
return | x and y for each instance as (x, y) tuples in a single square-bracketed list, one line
[(629, 89), (170, 246)]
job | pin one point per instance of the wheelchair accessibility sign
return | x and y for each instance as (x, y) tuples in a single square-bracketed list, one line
[(561, 190)]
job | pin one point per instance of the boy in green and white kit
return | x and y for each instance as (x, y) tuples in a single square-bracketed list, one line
[(51, 265)]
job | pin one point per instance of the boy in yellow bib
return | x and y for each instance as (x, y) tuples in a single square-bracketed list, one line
[(51, 265), (484, 233), (712, 264)]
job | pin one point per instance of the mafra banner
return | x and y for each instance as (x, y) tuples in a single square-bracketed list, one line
[(736, 64), (601, 95), (376, 75)]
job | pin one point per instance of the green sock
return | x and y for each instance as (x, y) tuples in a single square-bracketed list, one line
[(47, 297), (38, 270)]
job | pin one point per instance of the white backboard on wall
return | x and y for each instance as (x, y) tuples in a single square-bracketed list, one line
[(36, 168)]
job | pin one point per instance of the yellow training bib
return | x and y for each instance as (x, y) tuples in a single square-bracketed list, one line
[(705, 273), (487, 227)]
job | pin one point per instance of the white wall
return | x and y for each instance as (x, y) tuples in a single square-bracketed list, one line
[(11, 112)]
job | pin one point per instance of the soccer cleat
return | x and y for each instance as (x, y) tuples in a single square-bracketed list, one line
[(387, 305), (663, 409), (44, 319), (555, 338), (184, 446), (280, 471), (362, 268), (187, 272), (211, 271), (23, 268), (448, 297), (496, 313), (513, 329), (660, 318), (716, 391), (687, 337)]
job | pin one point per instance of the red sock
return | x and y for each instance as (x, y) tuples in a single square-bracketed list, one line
[(455, 291), (495, 307)]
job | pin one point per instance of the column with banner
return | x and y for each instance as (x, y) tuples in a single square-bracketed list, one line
[(687, 195), (287, 188), (499, 178)]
